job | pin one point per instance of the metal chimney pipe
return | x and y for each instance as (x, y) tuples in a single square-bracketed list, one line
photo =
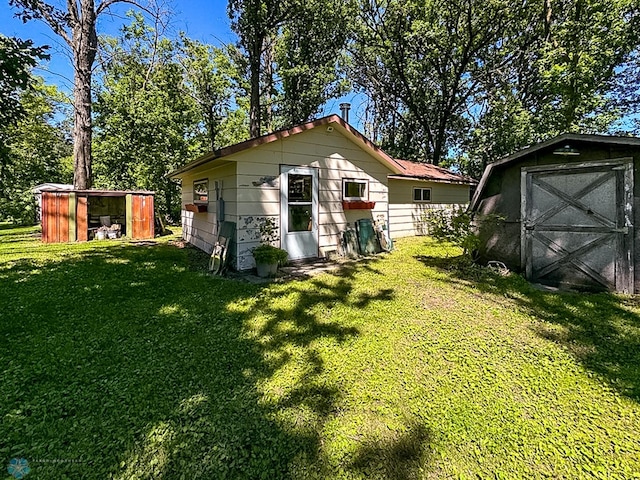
[(344, 108)]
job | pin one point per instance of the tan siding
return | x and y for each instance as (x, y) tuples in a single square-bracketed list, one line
[(200, 229), (251, 190), (407, 219), (259, 195), (401, 192), (406, 216), (334, 156)]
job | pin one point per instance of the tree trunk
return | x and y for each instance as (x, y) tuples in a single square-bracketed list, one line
[(254, 72), (84, 46), (82, 130)]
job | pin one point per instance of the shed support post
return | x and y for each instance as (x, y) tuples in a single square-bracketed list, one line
[(72, 217), (129, 214)]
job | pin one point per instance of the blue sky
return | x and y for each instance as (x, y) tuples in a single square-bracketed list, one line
[(204, 20)]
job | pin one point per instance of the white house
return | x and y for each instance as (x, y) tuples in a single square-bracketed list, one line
[(312, 180)]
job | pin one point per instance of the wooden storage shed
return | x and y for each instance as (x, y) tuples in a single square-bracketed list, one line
[(75, 215), (567, 209)]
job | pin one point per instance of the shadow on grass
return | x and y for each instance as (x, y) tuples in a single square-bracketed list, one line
[(600, 329), (131, 362), (398, 457)]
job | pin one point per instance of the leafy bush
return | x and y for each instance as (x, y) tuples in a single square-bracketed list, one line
[(269, 254), (459, 227), (455, 226)]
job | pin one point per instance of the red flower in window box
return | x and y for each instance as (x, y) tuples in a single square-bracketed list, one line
[(357, 205), (196, 207)]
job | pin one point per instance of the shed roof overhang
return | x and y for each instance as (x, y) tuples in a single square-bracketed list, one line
[(101, 193), (549, 144)]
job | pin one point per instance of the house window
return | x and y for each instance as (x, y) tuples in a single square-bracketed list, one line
[(355, 189), (201, 191), (421, 194)]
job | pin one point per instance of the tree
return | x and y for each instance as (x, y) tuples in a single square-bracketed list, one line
[(146, 124), (36, 149), (211, 77), (17, 58), (18, 92), (307, 51), (571, 70), (256, 22), (76, 25), (293, 48), (421, 62)]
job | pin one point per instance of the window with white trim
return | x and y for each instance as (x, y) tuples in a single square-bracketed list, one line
[(355, 189), (421, 194)]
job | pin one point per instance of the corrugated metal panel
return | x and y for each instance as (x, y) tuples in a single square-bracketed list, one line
[(142, 212), (82, 219), (55, 217)]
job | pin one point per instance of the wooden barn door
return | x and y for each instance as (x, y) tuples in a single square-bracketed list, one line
[(577, 225)]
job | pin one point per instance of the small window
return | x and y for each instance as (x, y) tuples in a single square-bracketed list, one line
[(355, 189), (421, 194), (201, 191)]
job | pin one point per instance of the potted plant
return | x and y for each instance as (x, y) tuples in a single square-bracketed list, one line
[(268, 257)]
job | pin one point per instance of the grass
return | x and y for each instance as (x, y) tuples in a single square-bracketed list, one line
[(129, 361)]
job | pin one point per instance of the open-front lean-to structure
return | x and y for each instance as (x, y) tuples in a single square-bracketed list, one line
[(76, 215)]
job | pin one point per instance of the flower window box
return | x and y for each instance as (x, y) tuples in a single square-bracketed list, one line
[(357, 205), (196, 207)]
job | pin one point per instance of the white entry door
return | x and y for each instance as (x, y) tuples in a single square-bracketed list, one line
[(299, 211)]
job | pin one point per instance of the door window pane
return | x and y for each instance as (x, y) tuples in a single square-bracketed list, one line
[(300, 188), (300, 218)]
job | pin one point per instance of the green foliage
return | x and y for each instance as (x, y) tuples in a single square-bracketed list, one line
[(307, 55), (212, 79), (35, 150), (266, 252), (30, 144), (453, 225), (567, 71), (132, 362), (293, 52), (420, 63), (160, 104), (477, 81), (17, 58), (269, 254), (145, 124)]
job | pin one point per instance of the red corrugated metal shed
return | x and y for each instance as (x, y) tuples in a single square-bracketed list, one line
[(73, 215)]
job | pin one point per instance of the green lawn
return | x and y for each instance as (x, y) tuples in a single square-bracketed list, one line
[(130, 361)]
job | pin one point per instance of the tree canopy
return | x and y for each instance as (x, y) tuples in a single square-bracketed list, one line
[(453, 82), (17, 58)]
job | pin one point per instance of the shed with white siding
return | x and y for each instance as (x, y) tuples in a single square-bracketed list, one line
[(312, 181)]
